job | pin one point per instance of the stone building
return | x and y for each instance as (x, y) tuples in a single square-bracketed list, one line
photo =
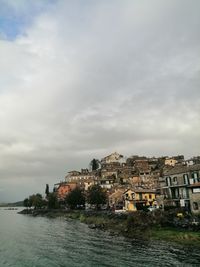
[(194, 195), (178, 186)]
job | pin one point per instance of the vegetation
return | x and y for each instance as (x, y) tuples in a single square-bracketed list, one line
[(96, 196), (174, 235), (138, 225), (75, 199), (47, 190), (26, 203), (95, 163), (52, 201), (37, 202)]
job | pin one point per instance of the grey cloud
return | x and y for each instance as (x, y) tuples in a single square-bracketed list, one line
[(88, 79)]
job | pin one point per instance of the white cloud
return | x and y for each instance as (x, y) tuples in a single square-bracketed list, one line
[(88, 79)]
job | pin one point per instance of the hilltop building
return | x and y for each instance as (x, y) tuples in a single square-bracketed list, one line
[(137, 182)]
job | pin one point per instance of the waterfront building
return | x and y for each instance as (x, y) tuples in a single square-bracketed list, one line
[(178, 184), (115, 199), (63, 189), (194, 196), (137, 199)]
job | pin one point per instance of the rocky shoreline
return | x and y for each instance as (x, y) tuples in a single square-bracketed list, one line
[(138, 225)]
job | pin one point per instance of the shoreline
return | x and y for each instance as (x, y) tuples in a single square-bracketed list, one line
[(130, 225)]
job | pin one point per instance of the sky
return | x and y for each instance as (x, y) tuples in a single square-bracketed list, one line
[(82, 79)]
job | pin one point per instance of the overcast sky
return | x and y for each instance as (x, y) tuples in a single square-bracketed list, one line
[(82, 79)]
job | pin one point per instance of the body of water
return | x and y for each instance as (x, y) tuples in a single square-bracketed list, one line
[(42, 242)]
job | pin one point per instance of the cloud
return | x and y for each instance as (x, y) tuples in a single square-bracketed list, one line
[(16, 16), (82, 80)]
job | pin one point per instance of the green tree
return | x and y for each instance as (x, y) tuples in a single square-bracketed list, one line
[(52, 201), (47, 190), (75, 198), (94, 164), (26, 203), (96, 196), (36, 201)]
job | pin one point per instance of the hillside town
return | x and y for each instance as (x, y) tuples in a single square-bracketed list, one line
[(138, 182)]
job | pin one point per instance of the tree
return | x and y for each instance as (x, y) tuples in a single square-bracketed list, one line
[(94, 164), (96, 196), (26, 203), (47, 190), (75, 198), (53, 201), (36, 201)]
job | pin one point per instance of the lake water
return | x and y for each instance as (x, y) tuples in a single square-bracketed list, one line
[(42, 242)]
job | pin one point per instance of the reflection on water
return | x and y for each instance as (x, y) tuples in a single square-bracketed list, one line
[(39, 242)]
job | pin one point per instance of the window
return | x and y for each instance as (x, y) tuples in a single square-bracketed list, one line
[(195, 176), (196, 190), (185, 178), (150, 196), (168, 181), (195, 205), (186, 193), (175, 180), (176, 193), (191, 180)]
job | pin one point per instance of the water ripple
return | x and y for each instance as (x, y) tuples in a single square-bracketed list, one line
[(41, 242)]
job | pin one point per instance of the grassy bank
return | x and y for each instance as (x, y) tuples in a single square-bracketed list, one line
[(137, 225), (176, 235)]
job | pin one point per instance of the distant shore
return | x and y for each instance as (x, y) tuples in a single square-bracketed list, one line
[(14, 204), (137, 225)]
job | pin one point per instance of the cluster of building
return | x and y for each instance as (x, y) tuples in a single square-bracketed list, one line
[(136, 182)]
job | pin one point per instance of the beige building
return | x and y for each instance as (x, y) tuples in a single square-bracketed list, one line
[(170, 161), (194, 194), (115, 199), (76, 176), (107, 182), (88, 183), (114, 157), (135, 199)]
